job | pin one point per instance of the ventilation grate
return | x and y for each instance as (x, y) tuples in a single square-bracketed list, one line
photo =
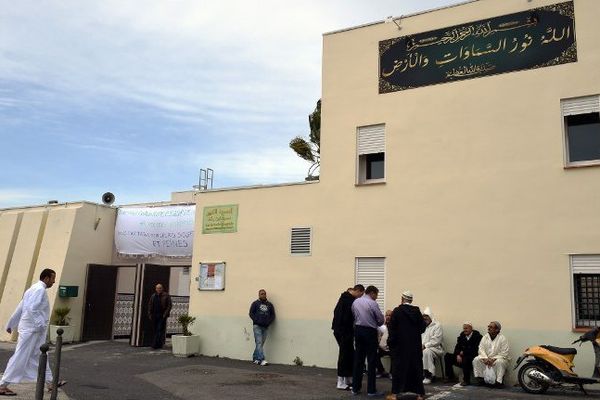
[(300, 241)]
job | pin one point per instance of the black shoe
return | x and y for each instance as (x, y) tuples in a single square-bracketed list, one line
[(480, 382)]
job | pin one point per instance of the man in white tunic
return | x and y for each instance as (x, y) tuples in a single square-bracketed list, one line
[(432, 345), (493, 353), (31, 318)]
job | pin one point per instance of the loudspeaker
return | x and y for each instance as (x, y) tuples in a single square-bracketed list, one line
[(108, 198)]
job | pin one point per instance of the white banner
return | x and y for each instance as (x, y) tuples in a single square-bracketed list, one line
[(165, 231)]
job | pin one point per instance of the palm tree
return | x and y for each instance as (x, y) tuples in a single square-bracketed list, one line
[(310, 150)]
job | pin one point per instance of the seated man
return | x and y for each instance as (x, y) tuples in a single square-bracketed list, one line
[(383, 349), (467, 347), (431, 341), (493, 353)]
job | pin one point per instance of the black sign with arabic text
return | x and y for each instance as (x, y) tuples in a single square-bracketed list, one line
[(536, 38)]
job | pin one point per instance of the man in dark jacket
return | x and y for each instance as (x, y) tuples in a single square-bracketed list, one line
[(467, 345), (159, 309), (262, 314), (405, 329), (343, 330)]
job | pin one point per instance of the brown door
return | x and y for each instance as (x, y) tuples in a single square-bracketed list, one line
[(99, 302), (153, 274)]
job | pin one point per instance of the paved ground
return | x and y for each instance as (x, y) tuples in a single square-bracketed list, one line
[(116, 371)]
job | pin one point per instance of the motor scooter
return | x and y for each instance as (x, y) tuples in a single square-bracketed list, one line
[(549, 366)]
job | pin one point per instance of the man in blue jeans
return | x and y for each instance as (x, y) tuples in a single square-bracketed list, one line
[(262, 314), (367, 318)]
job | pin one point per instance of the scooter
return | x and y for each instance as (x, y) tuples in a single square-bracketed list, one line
[(550, 366)]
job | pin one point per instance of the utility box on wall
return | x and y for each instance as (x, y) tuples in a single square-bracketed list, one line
[(68, 291)]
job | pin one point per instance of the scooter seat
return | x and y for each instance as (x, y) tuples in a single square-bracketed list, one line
[(560, 350)]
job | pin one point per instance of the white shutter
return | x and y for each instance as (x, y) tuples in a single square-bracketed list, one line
[(300, 241), (586, 264), (371, 271), (580, 105), (371, 139)]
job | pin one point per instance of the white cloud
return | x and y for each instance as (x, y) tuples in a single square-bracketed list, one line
[(15, 197)]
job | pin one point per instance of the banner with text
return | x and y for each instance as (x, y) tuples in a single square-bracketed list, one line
[(147, 231), (220, 219), (537, 38)]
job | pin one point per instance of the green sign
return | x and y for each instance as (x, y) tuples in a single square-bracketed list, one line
[(220, 219), (537, 38)]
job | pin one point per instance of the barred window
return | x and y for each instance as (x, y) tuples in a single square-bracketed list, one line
[(587, 299), (586, 289)]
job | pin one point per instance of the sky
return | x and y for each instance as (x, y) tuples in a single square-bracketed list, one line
[(134, 97)]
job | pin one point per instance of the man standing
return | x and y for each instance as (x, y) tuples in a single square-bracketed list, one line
[(262, 314), (405, 329), (343, 330), (31, 318), (467, 346), (493, 353), (432, 345), (159, 309), (367, 318)]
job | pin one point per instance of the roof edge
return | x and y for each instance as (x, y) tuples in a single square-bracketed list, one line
[(400, 17)]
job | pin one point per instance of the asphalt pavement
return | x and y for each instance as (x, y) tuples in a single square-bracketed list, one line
[(116, 371)]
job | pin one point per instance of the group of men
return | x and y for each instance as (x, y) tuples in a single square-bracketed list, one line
[(414, 342)]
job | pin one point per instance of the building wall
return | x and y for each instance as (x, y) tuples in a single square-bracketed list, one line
[(477, 215), (62, 237)]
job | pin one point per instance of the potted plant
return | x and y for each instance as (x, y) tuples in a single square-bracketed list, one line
[(61, 320), (186, 344)]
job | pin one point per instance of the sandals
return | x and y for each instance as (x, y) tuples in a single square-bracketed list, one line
[(59, 384), (7, 392)]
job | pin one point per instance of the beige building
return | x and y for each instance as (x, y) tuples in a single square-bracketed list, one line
[(460, 152), (479, 195), (77, 240)]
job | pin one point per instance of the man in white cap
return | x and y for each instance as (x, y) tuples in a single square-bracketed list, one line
[(432, 345), (467, 346), (404, 339), (493, 353)]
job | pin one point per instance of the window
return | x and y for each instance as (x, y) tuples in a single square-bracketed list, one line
[(582, 130), (371, 154), (371, 271), (586, 290), (300, 243)]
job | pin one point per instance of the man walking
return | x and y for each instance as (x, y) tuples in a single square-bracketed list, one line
[(31, 318), (159, 309), (405, 329), (343, 330), (262, 313), (367, 318)]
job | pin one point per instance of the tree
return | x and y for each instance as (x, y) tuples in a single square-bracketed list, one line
[(310, 150)]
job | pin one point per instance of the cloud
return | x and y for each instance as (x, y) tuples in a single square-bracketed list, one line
[(263, 166), (11, 197)]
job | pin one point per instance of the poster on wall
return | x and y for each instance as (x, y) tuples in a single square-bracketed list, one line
[(220, 219), (155, 231), (537, 38), (212, 276)]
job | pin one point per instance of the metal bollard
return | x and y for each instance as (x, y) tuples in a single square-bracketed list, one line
[(56, 376), (41, 378)]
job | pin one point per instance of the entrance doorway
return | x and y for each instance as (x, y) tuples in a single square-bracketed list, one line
[(116, 300), (99, 302)]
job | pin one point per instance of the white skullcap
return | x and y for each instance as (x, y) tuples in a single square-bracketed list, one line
[(407, 295), (468, 323)]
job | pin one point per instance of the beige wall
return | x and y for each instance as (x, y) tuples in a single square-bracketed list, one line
[(477, 216), (63, 237)]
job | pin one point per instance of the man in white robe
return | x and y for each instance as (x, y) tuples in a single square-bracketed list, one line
[(31, 318), (432, 345), (493, 353)]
